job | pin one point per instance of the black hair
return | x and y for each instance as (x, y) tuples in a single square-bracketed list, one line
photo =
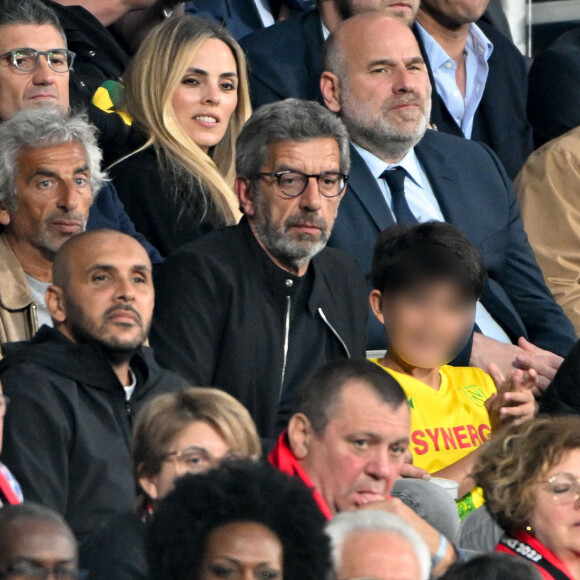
[(493, 567), (238, 491), (32, 12), (318, 395), (409, 255)]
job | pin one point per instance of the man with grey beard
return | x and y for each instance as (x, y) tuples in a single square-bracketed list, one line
[(376, 80), (49, 176), (257, 307)]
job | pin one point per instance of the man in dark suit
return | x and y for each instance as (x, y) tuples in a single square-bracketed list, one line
[(286, 61), (479, 79), (377, 80), (242, 17)]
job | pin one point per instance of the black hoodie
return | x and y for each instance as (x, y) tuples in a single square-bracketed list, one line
[(68, 427)]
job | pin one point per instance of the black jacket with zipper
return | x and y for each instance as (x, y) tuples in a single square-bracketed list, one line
[(221, 317), (68, 427)]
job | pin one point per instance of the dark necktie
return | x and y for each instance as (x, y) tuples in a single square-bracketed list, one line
[(395, 179)]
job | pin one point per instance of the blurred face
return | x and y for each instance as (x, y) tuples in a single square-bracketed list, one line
[(22, 90), (404, 9), (426, 326), (196, 448), (378, 555), (33, 545), (357, 459), (110, 296), (555, 520), (384, 96), (453, 14), (53, 196), (293, 230), (207, 95), (242, 551)]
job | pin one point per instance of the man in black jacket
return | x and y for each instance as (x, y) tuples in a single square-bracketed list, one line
[(75, 389), (257, 307)]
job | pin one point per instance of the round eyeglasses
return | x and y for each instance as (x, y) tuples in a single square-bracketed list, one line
[(60, 60), (293, 183), (564, 488)]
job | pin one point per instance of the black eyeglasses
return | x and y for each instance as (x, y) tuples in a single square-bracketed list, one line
[(60, 60), (293, 183), (36, 572)]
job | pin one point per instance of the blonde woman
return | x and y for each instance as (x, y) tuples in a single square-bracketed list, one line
[(188, 431), (187, 92)]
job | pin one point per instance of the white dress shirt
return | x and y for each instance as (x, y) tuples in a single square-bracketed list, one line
[(478, 49)]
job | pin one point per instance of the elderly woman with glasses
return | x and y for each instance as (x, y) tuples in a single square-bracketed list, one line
[(530, 478), (189, 431)]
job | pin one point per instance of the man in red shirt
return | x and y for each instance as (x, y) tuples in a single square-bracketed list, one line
[(349, 442)]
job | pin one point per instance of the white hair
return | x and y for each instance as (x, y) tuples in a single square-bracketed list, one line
[(343, 525), (45, 127)]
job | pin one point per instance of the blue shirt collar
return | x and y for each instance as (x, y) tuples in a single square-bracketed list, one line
[(477, 42), (409, 163)]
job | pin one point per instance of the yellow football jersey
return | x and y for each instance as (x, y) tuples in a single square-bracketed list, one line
[(450, 423)]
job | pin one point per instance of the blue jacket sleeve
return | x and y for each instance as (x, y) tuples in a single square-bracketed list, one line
[(108, 212)]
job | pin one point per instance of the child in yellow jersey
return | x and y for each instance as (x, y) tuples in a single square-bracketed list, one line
[(427, 280)]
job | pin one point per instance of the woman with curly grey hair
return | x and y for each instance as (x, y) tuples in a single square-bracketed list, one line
[(530, 476)]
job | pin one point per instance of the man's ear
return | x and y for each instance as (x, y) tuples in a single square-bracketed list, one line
[(376, 301), (4, 215), (331, 91), (54, 298), (243, 189), (300, 434)]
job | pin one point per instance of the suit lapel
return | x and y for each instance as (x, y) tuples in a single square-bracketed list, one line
[(312, 32), (246, 11), (440, 178), (364, 186)]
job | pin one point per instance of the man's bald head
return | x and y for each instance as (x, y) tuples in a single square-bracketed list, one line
[(375, 78), (31, 532), (350, 34), (78, 245)]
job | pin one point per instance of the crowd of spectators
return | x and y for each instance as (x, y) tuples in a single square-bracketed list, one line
[(286, 292)]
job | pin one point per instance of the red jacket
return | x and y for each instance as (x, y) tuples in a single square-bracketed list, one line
[(525, 545), (282, 458)]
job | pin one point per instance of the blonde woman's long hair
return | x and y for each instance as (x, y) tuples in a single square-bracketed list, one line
[(152, 78)]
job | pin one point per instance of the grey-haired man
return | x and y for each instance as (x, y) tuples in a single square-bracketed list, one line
[(257, 307), (49, 173)]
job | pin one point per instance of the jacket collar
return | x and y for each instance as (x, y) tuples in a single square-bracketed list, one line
[(283, 459), (14, 290), (312, 32), (84, 363)]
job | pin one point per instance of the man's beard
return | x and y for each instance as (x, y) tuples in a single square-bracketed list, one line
[(83, 330), (293, 254), (376, 133)]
